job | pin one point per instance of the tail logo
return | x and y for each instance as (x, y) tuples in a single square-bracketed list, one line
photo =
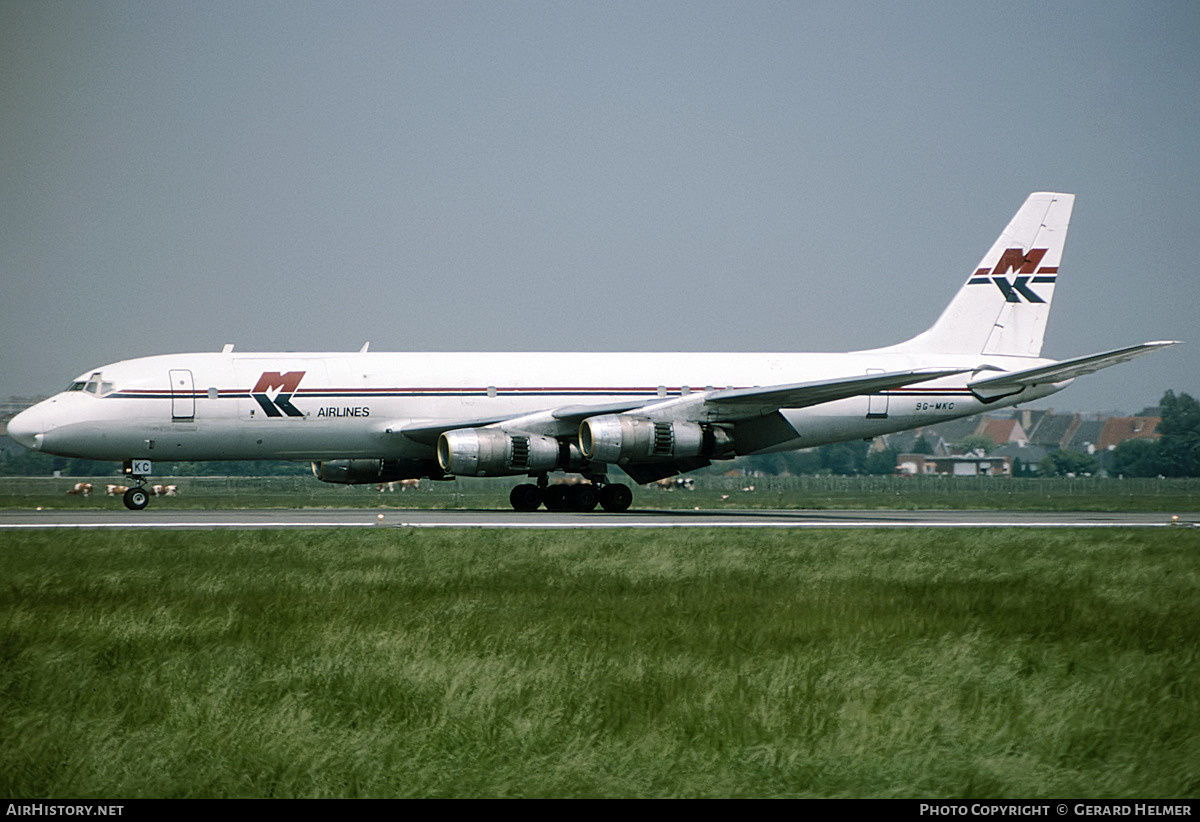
[(274, 391), (1025, 267)]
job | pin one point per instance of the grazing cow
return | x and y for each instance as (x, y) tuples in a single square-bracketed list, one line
[(117, 490), (164, 490), (82, 488), (671, 483), (404, 484)]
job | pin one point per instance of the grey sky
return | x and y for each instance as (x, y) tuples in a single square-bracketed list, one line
[(744, 176)]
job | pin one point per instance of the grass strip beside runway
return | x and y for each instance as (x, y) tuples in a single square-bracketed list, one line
[(619, 663), (710, 493)]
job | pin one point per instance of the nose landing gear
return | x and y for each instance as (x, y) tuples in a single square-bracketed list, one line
[(138, 497)]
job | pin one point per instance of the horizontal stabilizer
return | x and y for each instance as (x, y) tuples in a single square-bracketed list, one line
[(1011, 381)]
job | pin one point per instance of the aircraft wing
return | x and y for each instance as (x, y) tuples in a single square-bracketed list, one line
[(731, 404), (758, 408), (725, 404), (805, 394), (1012, 381), (428, 432), (578, 413), (551, 422)]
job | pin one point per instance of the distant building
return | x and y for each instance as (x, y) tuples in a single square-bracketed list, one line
[(1029, 455), (1049, 430), (1117, 430), (910, 441), (1027, 435), (969, 465), (1003, 431), (1087, 435), (955, 431)]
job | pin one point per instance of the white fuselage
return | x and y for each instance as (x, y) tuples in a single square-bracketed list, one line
[(323, 406)]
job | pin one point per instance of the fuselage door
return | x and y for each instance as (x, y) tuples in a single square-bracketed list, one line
[(183, 395), (877, 404)]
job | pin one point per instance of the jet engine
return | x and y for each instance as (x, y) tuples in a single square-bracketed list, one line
[(623, 438), (357, 472), (490, 452)]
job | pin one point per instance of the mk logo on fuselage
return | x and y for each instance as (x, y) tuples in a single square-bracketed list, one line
[(274, 391), (1025, 266)]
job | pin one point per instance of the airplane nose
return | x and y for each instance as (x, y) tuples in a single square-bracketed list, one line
[(26, 429)]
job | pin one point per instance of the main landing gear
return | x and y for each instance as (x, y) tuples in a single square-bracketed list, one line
[(585, 496)]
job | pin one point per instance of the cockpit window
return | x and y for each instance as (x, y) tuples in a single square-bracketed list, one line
[(94, 385)]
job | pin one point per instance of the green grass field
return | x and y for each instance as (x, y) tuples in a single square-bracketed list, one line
[(711, 492), (927, 663)]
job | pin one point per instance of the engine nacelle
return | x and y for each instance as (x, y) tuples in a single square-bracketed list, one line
[(490, 452), (360, 472), (623, 439)]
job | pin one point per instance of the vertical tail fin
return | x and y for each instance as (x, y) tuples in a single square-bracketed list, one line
[(1003, 307)]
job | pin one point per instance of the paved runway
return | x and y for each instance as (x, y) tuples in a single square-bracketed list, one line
[(412, 518)]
